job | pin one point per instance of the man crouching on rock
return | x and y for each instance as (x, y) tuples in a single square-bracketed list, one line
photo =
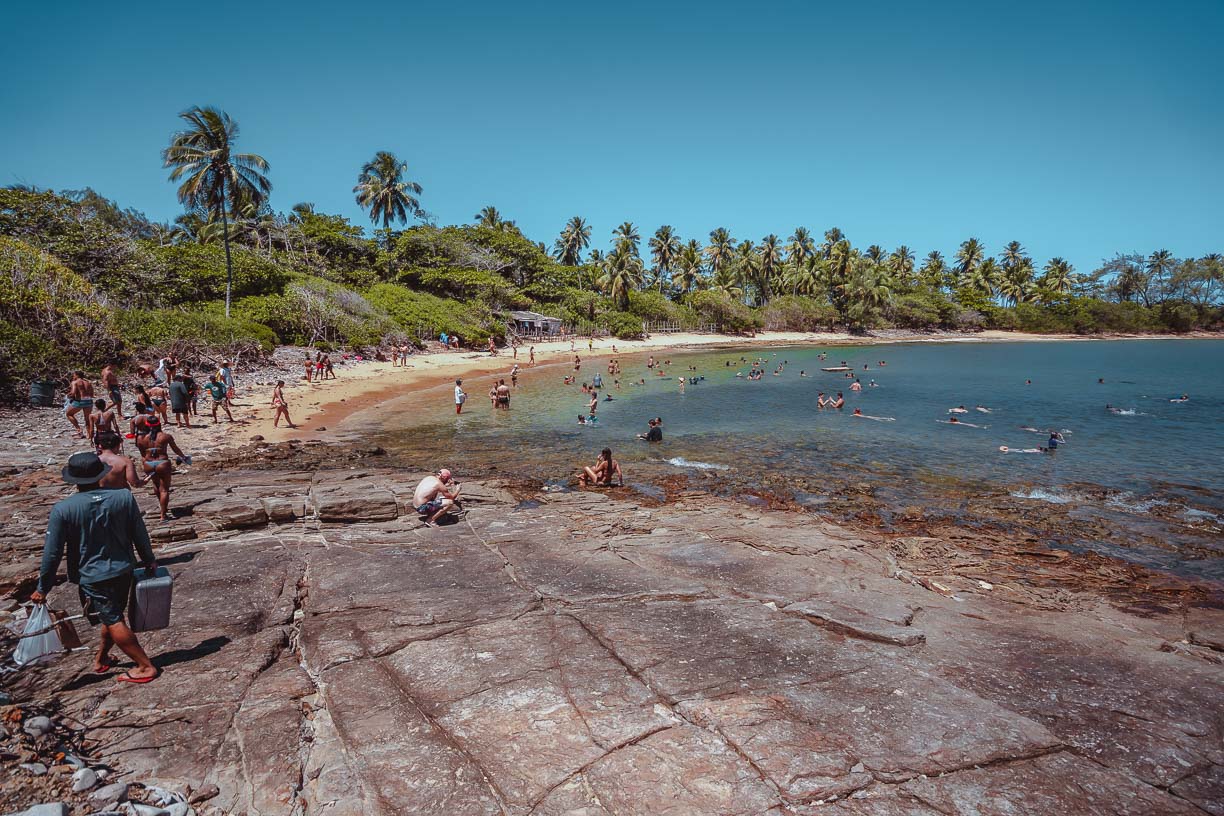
[(435, 496), (99, 527)]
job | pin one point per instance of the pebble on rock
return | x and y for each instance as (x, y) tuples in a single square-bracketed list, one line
[(48, 809), (37, 726), (83, 780), (179, 809), (147, 810), (110, 794)]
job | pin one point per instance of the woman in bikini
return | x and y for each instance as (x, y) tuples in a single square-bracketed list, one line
[(282, 407), (104, 421), (602, 472), (155, 447), (159, 396)]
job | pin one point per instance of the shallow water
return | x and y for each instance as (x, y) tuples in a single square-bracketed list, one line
[(1159, 462)]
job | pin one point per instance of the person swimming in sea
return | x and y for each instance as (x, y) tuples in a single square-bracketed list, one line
[(982, 409), (839, 402), (858, 412), (820, 399), (958, 410), (856, 386), (954, 420), (1182, 398)]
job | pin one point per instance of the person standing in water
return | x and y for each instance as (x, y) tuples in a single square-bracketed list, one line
[(460, 397)]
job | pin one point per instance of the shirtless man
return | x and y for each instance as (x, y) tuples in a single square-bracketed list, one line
[(110, 381), (435, 496), (155, 447), (503, 395), (837, 402), (123, 470), (80, 398)]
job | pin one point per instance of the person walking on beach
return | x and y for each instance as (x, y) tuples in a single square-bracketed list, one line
[(309, 368), (282, 407), (460, 397), (225, 375), (123, 472), (155, 447), (218, 392), (180, 402), (435, 496), (531, 357), (110, 382), (80, 401), (329, 371), (102, 532), (104, 421)]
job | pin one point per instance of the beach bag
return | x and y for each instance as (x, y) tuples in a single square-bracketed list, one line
[(40, 640)]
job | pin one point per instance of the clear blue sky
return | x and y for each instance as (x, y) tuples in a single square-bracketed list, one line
[(1080, 129)]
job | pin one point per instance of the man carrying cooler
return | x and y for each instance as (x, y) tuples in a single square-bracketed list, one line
[(99, 529)]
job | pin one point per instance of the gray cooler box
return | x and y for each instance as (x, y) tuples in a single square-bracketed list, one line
[(150, 605)]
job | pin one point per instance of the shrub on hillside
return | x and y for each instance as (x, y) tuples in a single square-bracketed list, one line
[(652, 305), (728, 315), (199, 334), (422, 315), (195, 272), (52, 318), (794, 313), (624, 326)]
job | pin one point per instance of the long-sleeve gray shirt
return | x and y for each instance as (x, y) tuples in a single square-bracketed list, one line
[(98, 529)]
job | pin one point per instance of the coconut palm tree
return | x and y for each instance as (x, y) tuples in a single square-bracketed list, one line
[(383, 189), (1015, 285), (933, 269), (664, 249), (769, 266), (968, 257), (622, 273), (688, 267), (491, 218), (744, 266), (1159, 265), (724, 282), (901, 264), (1057, 277), (799, 248), (628, 233), (807, 278), (832, 238), (875, 254), (214, 178), (984, 278), (840, 265), (575, 238), (1013, 256), (720, 250), (868, 291)]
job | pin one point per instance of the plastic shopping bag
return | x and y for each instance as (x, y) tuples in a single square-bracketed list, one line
[(40, 640)]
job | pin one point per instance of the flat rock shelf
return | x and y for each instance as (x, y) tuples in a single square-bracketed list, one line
[(592, 654)]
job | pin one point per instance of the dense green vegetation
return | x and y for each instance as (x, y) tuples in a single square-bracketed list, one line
[(83, 281)]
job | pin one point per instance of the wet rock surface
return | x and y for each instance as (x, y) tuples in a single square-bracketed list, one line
[(597, 653)]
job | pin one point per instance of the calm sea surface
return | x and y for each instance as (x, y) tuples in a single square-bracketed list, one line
[(1155, 470)]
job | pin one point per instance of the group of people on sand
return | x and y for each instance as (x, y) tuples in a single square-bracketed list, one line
[(320, 368)]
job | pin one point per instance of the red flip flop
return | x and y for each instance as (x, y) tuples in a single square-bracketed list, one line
[(127, 677), (108, 664)]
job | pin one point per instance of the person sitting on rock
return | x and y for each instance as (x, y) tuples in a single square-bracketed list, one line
[(435, 496)]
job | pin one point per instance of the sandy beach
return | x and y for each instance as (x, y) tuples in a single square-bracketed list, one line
[(318, 408)]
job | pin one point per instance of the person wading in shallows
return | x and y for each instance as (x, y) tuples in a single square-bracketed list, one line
[(102, 531)]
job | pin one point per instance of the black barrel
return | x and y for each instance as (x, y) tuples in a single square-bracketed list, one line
[(42, 393)]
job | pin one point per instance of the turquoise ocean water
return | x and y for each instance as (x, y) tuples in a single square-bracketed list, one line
[(1158, 466)]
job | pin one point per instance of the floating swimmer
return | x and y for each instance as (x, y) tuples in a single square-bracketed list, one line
[(858, 412), (1006, 449), (954, 421), (959, 410), (1182, 398), (982, 408)]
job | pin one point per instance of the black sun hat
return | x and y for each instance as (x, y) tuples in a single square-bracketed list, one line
[(84, 468)]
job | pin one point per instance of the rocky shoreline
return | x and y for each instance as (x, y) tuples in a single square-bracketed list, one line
[(608, 653)]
